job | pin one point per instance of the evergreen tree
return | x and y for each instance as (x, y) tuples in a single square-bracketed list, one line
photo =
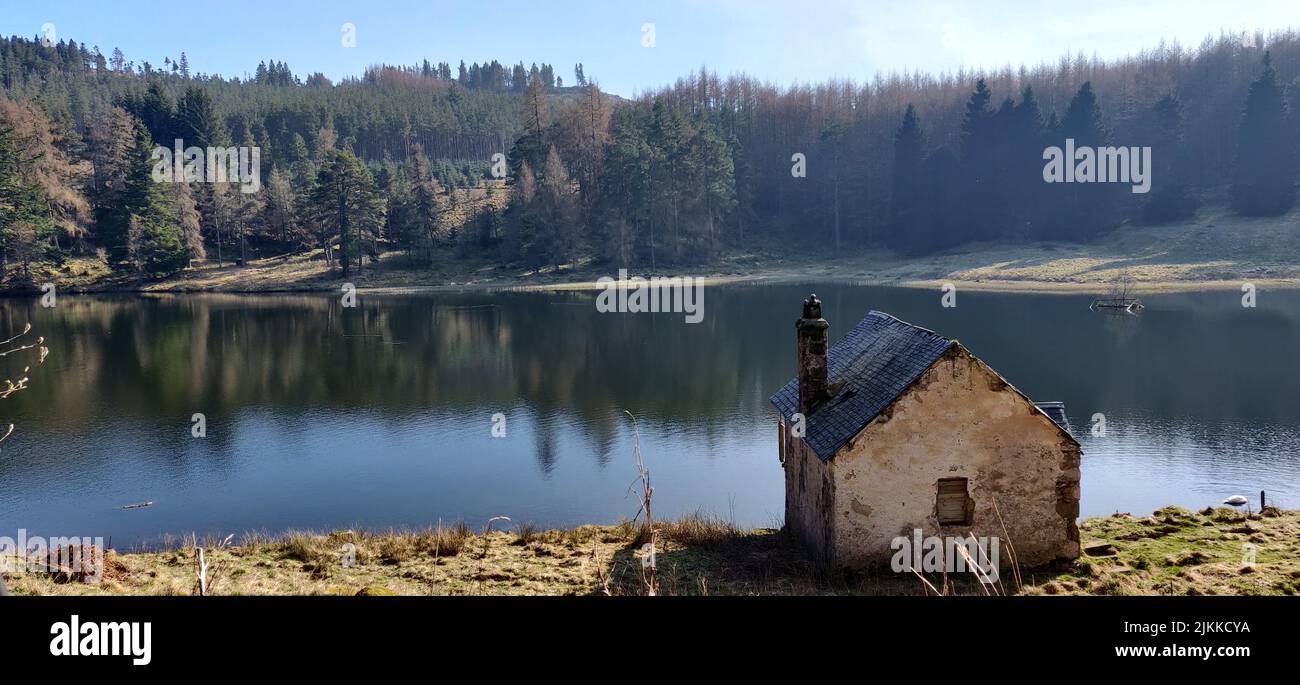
[(422, 220), (1263, 182), (156, 111), (196, 119), (625, 188), (979, 161), (909, 199), (139, 228), (1172, 194), (944, 193), (23, 210), (1088, 207), (347, 206), (1025, 197)]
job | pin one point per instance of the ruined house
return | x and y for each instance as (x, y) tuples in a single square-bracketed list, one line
[(897, 429)]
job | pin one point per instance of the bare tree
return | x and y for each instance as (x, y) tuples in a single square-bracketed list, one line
[(8, 347)]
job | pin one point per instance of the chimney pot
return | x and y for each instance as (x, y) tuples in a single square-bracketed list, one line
[(813, 387)]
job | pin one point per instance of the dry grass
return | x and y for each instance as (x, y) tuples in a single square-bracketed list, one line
[(1173, 551), (699, 530)]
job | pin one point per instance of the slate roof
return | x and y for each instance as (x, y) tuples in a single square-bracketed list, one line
[(876, 361), (1056, 412)]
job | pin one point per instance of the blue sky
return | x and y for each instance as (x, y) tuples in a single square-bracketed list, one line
[(780, 41)]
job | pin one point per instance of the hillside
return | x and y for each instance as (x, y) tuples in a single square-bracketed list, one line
[(901, 180)]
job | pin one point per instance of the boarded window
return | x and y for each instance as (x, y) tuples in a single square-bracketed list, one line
[(952, 506)]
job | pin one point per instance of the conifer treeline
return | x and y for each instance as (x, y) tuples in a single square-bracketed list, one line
[(678, 176), (967, 163), (380, 117)]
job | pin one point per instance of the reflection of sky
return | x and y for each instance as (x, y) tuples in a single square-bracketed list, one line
[(331, 469), (1146, 462), (1196, 395)]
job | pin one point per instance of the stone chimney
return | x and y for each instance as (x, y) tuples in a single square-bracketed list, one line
[(812, 355)]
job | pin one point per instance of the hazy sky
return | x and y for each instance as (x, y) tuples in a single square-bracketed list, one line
[(781, 41)]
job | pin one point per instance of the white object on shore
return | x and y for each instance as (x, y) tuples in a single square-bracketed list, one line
[(1236, 500)]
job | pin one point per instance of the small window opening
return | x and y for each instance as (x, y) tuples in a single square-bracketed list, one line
[(953, 503)]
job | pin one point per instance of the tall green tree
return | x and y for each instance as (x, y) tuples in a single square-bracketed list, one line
[(1172, 195), (348, 206), (140, 229), (24, 213), (979, 159), (421, 220), (1090, 207), (1264, 175), (909, 199), (196, 119)]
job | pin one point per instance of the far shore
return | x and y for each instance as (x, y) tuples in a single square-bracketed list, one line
[(584, 282), (1217, 251)]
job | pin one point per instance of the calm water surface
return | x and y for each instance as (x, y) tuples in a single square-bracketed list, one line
[(321, 417)]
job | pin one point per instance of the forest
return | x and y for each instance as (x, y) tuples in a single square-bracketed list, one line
[(679, 175)]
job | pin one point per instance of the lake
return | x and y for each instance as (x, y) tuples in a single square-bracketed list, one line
[(322, 417)]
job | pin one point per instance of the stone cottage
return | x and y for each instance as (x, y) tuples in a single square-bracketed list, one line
[(897, 429)]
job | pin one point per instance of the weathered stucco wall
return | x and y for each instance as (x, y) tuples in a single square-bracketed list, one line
[(809, 497), (959, 420)]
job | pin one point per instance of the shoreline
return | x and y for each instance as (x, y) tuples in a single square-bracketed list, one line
[(585, 282), (1214, 252), (1171, 551)]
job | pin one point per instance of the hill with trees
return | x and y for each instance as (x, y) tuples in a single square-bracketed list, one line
[(680, 176)]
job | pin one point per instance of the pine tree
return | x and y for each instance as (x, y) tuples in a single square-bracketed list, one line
[(196, 119), (1089, 208), (347, 206), (1264, 175), (157, 113), (714, 192), (1024, 182), (423, 215), (140, 229), (1172, 194), (979, 161), (909, 206), (23, 210), (625, 188)]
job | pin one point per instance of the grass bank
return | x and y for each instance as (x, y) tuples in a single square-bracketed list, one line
[(1172, 551), (1217, 250)]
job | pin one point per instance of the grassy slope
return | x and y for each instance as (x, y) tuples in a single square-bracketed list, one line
[(1216, 250), (1172, 551)]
